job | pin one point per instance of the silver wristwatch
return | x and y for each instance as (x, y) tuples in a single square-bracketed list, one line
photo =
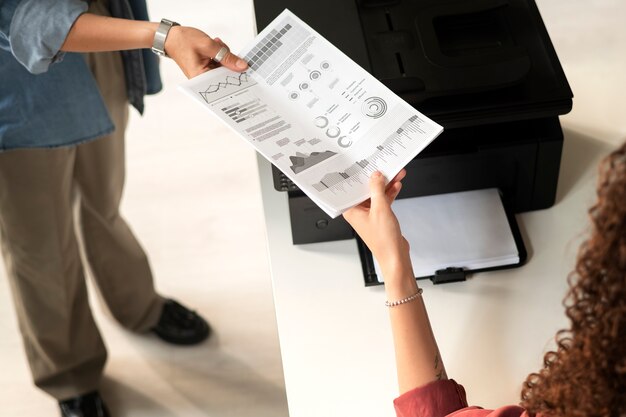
[(158, 45)]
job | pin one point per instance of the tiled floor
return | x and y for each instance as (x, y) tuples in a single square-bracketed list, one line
[(193, 199)]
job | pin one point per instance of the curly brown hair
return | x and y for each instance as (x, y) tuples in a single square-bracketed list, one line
[(586, 375)]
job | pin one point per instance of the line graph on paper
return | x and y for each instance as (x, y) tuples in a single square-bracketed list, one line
[(228, 85)]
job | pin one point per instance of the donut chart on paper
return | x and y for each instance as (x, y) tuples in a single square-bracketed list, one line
[(374, 107)]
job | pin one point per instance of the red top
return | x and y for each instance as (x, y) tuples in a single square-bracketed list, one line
[(446, 398)]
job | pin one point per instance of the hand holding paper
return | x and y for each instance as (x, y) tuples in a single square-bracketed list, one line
[(378, 226), (193, 51)]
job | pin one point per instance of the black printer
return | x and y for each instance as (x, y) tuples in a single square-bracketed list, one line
[(485, 70)]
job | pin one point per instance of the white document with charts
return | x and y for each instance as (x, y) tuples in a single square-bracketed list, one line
[(319, 117)]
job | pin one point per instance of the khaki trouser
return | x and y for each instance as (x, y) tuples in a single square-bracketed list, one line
[(38, 188)]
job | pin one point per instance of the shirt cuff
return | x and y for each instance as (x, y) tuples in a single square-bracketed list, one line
[(436, 399), (39, 28)]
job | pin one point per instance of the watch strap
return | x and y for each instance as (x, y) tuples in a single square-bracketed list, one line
[(158, 45)]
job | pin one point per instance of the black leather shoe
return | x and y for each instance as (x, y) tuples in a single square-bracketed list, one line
[(180, 326), (87, 405)]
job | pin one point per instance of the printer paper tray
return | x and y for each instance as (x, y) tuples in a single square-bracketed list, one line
[(454, 234)]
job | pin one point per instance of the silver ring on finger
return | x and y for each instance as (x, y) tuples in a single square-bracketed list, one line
[(221, 54)]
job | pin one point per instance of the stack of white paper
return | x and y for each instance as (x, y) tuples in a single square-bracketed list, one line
[(468, 230)]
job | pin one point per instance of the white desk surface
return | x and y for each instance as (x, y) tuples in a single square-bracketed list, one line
[(493, 329)]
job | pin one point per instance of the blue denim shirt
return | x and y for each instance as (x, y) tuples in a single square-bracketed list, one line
[(47, 97)]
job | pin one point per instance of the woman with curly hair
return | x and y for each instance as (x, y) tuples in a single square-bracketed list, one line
[(585, 376)]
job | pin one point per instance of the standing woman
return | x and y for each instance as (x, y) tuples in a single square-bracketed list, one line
[(584, 377), (64, 95)]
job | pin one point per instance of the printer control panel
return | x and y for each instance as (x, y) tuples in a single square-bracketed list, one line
[(281, 182)]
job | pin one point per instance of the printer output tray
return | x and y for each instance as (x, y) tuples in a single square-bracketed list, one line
[(458, 271)]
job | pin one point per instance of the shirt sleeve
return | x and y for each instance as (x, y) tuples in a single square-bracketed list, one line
[(436, 399), (446, 398), (36, 29)]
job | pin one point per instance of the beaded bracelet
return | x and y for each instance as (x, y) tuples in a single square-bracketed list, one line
[(404, 300)]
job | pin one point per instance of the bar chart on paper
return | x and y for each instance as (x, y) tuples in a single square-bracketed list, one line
[(240, 112), (256, 118), (268, 54), (360, 171)]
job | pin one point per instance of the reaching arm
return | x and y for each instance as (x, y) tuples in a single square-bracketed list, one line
[(191, 48), (93, 33), (417, 355)]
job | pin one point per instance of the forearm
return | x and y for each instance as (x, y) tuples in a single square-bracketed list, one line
[(93, 33), (417, 355)]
